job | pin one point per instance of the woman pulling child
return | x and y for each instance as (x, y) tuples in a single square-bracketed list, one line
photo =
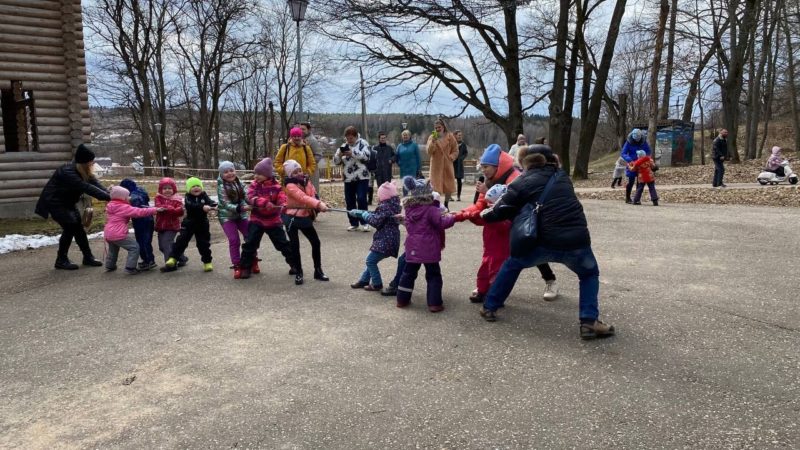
[(301, 210), (385, 241)]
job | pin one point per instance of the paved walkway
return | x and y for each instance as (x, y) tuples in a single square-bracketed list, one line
[(706, 354)]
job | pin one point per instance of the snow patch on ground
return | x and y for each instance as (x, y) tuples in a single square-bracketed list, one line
[(16, 242)]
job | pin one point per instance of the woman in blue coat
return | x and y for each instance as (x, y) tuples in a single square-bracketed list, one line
[(407, 156), (636, 141)]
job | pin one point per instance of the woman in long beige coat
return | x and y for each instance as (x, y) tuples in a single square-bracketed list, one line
[(442, 150)]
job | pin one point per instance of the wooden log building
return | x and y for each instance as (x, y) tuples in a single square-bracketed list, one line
[(43, 96)]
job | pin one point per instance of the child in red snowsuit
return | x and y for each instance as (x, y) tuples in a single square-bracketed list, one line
[(496, 248), (643, 167)]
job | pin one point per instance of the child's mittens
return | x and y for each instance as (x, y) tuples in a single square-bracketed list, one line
[(459, 217), (355, 213)]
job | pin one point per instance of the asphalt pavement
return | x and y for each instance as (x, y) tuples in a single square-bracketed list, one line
[(707, 354)]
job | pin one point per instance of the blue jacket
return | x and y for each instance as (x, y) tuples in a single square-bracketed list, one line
[(139, 198), (407, 156), (629, 152)]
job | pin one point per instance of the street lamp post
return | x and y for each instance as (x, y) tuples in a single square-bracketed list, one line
[(298, 8), (158, 139)]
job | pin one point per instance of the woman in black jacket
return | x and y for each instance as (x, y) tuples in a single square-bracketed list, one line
[(563, 237), (58, 200)]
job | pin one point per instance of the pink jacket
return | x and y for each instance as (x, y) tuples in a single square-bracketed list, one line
[(267, 198), (296, 197), (118, 214)]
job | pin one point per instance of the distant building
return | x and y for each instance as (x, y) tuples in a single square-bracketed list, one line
[(43, 97)]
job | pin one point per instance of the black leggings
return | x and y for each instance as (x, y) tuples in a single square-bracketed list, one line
[(458, 192), (69, 231), (313, 238)]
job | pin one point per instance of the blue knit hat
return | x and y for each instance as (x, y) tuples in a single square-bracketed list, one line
[(225, 165), (640, 153), (491, 156)]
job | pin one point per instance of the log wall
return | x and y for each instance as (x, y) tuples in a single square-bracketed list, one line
[(41, 45)]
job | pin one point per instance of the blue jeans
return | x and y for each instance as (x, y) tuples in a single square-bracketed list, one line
[(355, 197), (372, 272), (581, 261), (719, 172)]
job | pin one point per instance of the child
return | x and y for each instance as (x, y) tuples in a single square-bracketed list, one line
[(197, 205), (266, 197), (496, 236), (643, 166), (168, 220), (775, 162), (115, 233), (619, 172), (425, 225), (233, 210), (386, 241), (301, 208), (143, 226)]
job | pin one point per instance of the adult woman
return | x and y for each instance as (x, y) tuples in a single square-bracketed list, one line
[(443, 150), (408, 156), (58, 200), (297, 150), (458, 164), (353, 155)]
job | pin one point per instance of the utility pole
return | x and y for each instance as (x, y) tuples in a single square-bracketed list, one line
[(364, 132)]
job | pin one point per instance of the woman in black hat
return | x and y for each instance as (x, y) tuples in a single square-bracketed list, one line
[(58, 200)]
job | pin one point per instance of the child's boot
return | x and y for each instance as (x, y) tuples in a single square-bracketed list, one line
[(476, 297), (170, 266), (237, 272), (245, 273), (655, 202), (255, 268), (207, 267)]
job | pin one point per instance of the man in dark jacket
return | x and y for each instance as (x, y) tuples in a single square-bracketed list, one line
[(720, 154), (58, 199), (386, 157), (563, 238)]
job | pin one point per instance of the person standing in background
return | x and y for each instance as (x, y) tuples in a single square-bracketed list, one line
[(316, 150), (458, 164), (720, 154)]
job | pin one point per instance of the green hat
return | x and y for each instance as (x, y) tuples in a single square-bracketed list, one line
[(192, 182)]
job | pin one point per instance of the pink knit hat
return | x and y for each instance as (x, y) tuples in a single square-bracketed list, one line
[(386, 191), (296, 132), (119, 193)]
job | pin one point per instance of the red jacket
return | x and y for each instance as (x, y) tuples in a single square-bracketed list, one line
[(267, 199), (170, 219), (644, 168)]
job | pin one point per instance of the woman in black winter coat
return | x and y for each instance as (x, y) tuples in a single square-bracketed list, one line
[(58, 200)]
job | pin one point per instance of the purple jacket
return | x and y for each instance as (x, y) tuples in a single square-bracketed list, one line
[(425, 227)]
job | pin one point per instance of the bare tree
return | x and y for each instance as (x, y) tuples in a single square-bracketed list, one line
[(654, 77), (480, 65), (210, 36), (130, 37)]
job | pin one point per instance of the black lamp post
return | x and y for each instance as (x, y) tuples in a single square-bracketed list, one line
[(298, 8)]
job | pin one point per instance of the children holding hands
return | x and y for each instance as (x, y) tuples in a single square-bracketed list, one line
[(118, 213)]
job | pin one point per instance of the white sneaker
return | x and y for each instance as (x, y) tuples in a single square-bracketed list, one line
[(352, 228), (365, 228), (550, 291)]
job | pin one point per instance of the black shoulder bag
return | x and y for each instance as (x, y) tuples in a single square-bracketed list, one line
[(525, 227)]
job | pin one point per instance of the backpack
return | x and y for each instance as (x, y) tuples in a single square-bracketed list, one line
[(372, 162)]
